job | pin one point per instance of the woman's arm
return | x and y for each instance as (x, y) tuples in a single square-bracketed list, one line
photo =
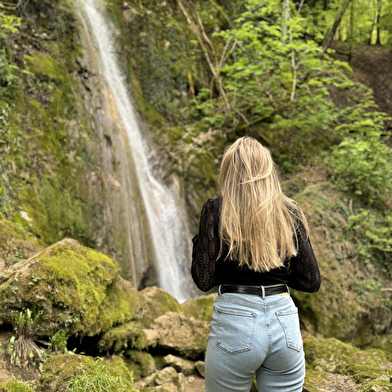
[(206, 249), (304, 273)]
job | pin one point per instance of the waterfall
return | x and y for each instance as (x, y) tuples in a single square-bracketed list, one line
[(167, 221)]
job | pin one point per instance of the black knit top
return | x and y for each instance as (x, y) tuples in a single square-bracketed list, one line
[(300, 272)]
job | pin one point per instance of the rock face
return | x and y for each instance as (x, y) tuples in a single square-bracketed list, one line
[(330, 362), (182, 334), (77, 288), (15, 244)]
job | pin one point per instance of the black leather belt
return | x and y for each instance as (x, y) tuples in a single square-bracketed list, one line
[(255, 290)]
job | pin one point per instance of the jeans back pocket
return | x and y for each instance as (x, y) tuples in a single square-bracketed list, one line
[(290, 323), (235, 330)]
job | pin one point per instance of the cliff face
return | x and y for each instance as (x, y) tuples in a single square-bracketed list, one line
[(65, 169)]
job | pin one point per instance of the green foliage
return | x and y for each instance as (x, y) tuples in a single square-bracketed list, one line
[(21, 349), (103, 379), (374, 230), (9, 81), (25, 322), (58, 342)]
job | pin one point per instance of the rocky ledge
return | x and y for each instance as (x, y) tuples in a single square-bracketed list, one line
[(132, 340)]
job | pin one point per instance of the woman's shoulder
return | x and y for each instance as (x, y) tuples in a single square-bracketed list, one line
[(213, 204)]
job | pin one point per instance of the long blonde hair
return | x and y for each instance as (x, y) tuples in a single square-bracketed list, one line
[(257, 219)]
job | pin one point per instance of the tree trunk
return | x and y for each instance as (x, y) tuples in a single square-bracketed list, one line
[(372, 28), (329, 37), (378, 40)]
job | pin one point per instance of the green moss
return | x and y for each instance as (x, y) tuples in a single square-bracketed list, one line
[(375, 385), (77, 288), (140, 363), (330, 354), (313, 380), (14, 386), (127, 303), (364, 373), (156, 303), (43, 64), (16, 244), (126, 336), (200, 307)]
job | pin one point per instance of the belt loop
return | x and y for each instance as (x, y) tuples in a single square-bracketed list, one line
[(219, 290), (262, 292), (288, 289)]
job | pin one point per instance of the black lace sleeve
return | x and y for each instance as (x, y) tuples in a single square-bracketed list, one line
[(206, 249), (304, 273)]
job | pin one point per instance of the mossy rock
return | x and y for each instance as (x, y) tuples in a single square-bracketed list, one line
[(77, 288), (378, 386), (156, 303), (364, 373), (141, 363), (58, 371), (200, 307), (131, 335), (328, 354), (43, 64), (15, 243), (14, 386), (313, 380)]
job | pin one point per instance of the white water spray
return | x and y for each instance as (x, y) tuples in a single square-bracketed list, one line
[(167, 222)]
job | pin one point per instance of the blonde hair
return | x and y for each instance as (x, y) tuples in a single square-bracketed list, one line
[(257, 219)]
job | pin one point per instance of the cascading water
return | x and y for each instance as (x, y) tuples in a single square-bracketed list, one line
[(167, 222)]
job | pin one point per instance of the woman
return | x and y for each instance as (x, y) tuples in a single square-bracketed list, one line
[(253, 242)]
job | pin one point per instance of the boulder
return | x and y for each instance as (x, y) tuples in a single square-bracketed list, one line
[(60, 371), (200, 308), (182, 365), (201, 368), (183, 334), (141, 363), (156, 302), (137, 333), (166, 380), (77, 289)]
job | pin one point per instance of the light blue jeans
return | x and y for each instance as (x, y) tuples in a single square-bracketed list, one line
[(254, 335)]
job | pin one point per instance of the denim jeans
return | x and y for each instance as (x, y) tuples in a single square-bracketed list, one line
[(254, 335)]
